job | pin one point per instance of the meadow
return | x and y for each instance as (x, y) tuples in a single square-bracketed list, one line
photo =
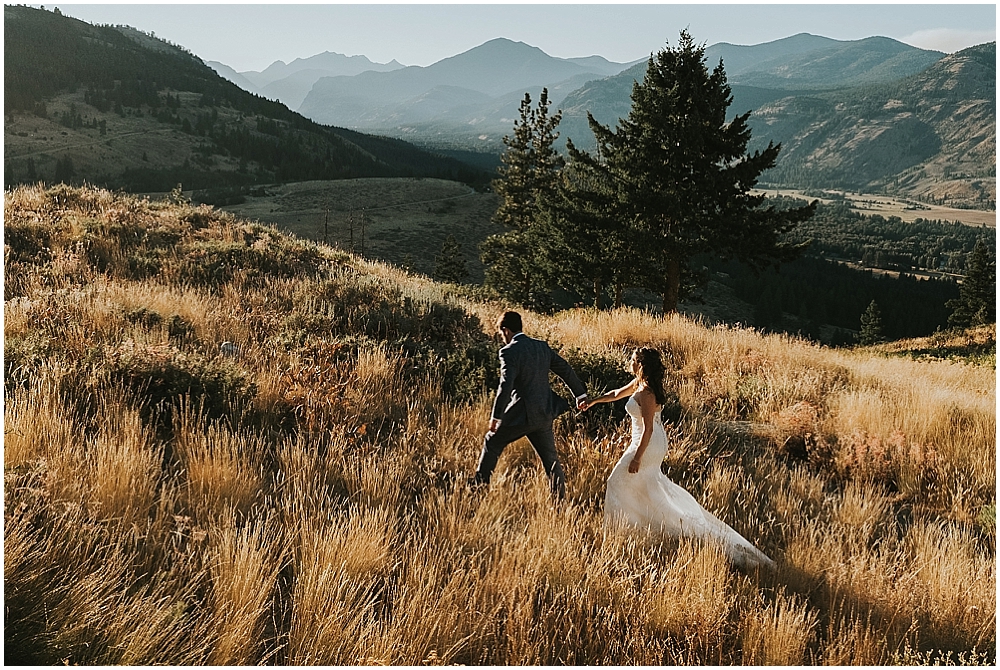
[(301, 496), (871, 203), (398, 220)]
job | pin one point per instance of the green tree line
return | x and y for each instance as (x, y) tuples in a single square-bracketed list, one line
[(889, 243), (810, 294)]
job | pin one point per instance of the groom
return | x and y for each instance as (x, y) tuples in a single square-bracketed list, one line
[(525, 406)]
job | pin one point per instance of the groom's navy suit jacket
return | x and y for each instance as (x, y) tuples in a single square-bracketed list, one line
[(524, 396)]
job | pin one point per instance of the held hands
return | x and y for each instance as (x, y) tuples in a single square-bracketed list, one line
[(494, 424), (584, 404)]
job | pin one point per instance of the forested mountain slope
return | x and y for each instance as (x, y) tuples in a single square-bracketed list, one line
[(117, 107)]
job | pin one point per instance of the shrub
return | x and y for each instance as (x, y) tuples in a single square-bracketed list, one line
[(22, 356), (147, 318), (27, 243), (161, 376), (470, 370), (797, 431), (211, 263)]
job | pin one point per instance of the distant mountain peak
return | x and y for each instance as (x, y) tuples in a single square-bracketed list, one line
[(798, 39), (504, 45), (501, 40)]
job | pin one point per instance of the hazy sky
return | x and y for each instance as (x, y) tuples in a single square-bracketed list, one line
[(252, 36)]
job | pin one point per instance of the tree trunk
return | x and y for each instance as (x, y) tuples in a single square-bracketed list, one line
[(673, 289), (619, 293), (597, 293)]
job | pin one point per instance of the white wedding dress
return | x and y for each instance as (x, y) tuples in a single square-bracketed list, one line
[(649, 500)]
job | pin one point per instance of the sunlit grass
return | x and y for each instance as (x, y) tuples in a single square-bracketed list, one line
[(303, 500)]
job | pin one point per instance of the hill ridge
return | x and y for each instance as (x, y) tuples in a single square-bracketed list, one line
[(161, 116)]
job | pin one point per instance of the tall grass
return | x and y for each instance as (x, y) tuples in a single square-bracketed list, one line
[(304, 501)]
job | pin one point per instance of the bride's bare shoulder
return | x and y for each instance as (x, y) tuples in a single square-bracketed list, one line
[(645, 397)]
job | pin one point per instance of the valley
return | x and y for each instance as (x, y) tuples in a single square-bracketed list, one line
[(907, 210)]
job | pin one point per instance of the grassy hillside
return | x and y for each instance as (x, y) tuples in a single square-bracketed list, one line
[(406, 221), (116, 107), (300, 496)]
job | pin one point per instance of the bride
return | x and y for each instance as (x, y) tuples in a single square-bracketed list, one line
[(638, 493)]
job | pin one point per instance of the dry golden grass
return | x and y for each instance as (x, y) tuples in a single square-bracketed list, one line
[(780, 633), (223, 470), (304, 501), (35, 426), (245, 563), (123, 468)]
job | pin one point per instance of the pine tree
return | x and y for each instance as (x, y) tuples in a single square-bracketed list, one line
[(976, 302), (681, 176), (871, 325), (529, 172), (582, 245), (64, 170), (449, 266), (530, 164)]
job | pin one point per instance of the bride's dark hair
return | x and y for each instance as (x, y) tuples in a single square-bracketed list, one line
[(652, 372)]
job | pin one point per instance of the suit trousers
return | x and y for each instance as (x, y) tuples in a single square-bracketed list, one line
[(541, 438)]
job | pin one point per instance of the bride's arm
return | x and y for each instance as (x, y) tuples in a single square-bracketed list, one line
[(611, 396), (647, 403)]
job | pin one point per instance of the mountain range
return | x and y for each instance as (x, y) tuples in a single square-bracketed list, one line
[(480, 89), (802, 89), (290, 83), (898, 120), (460, 87), (472, 98), (129, 110)]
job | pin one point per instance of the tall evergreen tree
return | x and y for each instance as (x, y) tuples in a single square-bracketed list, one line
[(449, 266), (681, 176), (529, 171), (871, 325), (976, 302), (582, 245), (515, 184), (64, 170)]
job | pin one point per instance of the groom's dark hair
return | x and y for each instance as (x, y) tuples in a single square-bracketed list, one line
[(511, 321)]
